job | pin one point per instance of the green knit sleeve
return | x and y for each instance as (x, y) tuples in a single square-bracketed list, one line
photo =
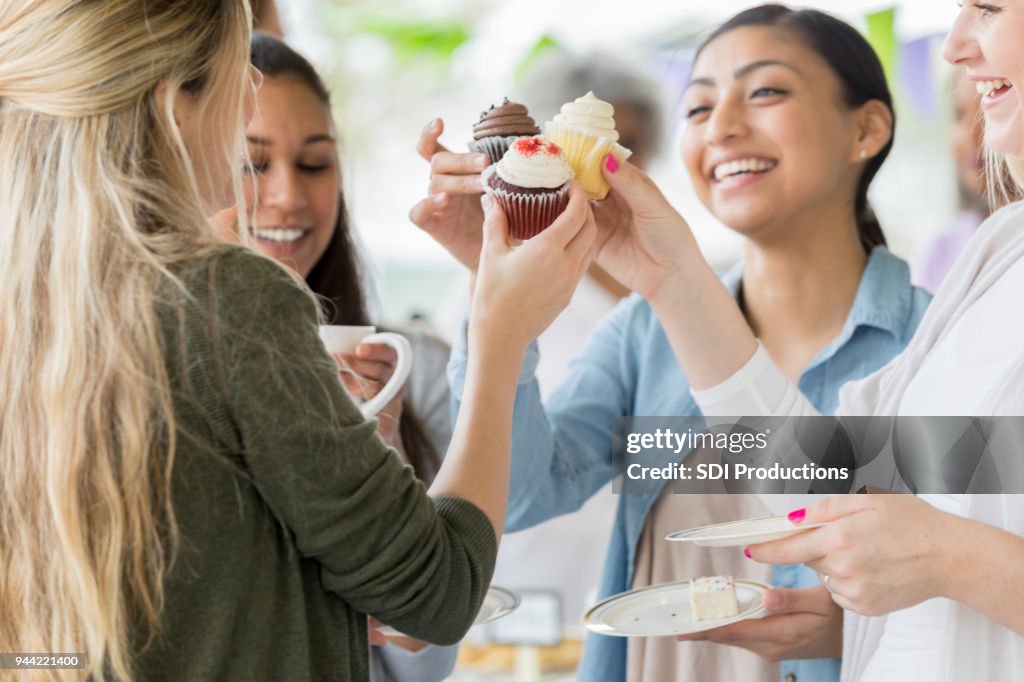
[(383, 545)]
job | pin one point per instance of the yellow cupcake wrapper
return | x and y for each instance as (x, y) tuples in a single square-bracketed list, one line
[(586, 153)]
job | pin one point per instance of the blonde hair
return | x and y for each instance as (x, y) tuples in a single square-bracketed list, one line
[(1005, 178), (1015, 167), (100, 207)]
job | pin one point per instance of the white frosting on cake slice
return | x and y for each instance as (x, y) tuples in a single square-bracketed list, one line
[(713, 598)]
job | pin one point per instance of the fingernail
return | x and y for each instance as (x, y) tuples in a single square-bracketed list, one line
[(611, 163), (797, 516), (362, 351), (480, 162), (433, 125), (438, 199), (746, 553)]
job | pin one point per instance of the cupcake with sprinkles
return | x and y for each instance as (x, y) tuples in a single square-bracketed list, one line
[(499, 127), (531, 184)]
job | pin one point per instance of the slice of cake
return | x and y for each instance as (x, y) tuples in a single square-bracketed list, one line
[(713, 598)]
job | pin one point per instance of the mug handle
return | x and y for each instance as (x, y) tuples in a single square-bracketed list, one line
[(401, 345)]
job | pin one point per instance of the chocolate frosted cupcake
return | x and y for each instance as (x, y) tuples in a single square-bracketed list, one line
[(531, 183), (499, 127)]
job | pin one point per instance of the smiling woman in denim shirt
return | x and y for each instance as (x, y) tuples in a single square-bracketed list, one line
[(789, 120)]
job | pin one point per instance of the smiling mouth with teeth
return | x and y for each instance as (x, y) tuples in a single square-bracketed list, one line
[(739, 167), (993, 88), (279, 236)]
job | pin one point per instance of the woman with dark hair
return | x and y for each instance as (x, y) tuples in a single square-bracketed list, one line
[(300, 219), (789, 119)]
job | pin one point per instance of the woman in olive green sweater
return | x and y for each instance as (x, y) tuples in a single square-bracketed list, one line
[(186, 490)]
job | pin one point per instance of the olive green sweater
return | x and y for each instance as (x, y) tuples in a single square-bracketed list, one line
[(295, 519)]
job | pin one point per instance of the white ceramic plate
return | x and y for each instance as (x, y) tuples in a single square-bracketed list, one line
[(664, 611), (741, 533), (498, 602)]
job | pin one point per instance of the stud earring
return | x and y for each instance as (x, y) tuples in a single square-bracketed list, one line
[(863, 154)]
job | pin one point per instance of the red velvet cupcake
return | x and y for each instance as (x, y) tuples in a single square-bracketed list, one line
[(531, 183)]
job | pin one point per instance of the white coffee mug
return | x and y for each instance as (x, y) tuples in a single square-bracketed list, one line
[(345, 338)]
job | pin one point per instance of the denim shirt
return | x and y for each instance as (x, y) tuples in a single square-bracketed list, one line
[(561, 451)]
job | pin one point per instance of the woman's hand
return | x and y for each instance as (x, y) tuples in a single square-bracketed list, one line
[(804, 623), (642, 241), (521, 289), (451, 214), (364, 374), (879, 553)]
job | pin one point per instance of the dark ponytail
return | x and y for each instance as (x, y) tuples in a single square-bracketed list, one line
[(859, 71), (336, 278)]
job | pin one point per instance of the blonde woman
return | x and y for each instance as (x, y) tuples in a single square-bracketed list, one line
[(186, 491)]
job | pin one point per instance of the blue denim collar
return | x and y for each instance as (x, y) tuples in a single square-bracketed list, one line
[(883, 300)]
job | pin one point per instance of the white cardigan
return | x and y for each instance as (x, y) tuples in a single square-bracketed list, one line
[(978, 648)]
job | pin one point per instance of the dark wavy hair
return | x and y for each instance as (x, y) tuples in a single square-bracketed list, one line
[(858, 69), (336, 278)]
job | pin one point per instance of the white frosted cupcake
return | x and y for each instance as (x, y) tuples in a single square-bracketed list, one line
[(585, 129), (531, 183)]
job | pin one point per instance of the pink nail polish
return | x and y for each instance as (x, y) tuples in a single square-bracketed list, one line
[(746, 553), (611, 163), (797, 516)]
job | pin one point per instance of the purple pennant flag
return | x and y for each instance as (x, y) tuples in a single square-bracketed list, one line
[(673, 70), (916, 77)]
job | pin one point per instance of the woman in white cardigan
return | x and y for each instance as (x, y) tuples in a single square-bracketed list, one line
[(943, 569)]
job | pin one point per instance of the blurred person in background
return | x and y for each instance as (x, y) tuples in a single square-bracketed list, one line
[(266, 18), (789, 119), (969, 156), (299, 218)]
